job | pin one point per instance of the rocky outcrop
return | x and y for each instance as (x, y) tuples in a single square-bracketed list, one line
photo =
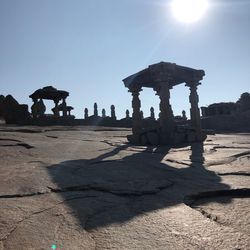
[(12, 111)]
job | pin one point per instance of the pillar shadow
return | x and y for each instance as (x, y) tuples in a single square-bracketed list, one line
[(106, 190)]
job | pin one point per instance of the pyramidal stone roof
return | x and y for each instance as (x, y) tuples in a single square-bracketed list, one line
[(49, 93), (163, 72)]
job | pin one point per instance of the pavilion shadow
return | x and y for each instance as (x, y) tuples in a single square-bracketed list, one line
[(102, 192)]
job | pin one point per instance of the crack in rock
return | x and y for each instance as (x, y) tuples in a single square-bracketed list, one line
[(208, 215), (234, 193), (52, 136), (104, 161), (10, 196), (6, 139), (235, 173), (240, 142), (229, 147), (241, 154), (122, 192), (229, 160), (179, 162), (5, 237), (32, 131), (25, 145)]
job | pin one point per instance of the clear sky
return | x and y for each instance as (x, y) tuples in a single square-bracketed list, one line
[(88, 46)]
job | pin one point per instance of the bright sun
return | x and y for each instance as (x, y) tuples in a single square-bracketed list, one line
[(189, 11)]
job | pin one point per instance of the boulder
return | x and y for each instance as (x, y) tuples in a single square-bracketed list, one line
[(12, 111)]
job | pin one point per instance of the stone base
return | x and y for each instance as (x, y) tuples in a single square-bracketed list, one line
[(157, 138)]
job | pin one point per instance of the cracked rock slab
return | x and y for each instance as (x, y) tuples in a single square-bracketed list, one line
[(87, 188)]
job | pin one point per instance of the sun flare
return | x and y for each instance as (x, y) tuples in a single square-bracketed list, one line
[(189, 11)]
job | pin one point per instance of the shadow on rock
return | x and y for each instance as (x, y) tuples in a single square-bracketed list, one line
[(124, 188)]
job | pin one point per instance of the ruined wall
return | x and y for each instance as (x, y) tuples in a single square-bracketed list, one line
[(239, 122)]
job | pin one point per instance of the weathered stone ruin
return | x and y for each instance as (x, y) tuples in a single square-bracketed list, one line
[(103, 120), (244, 102), (61, 112), (223, 108), (167, 129), (162, 77), (1, 106), (228, 116), (13, 112), (228, 108)]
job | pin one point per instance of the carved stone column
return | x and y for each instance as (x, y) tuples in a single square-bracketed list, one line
[(194, 111), (86, 113), (136, 105), (34, 108), (127, 114), (166, 116), (56, 109), (64, 107), (103, 113), (95, 109), (152, 113), (112, 108)]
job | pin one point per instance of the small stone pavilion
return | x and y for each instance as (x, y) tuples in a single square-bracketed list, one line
[(162, 77), (50, 93)]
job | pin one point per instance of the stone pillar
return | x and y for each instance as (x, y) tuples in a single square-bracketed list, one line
[(204, 111), (112, 108), (136, 116), (127, 114), (56, 109), (166, 116), (64, 108), (194, 111), (142, 115), (184, 115), (95, 109), (152, 113), (86, 113), (34, 110), (41, 108), (103, 113)]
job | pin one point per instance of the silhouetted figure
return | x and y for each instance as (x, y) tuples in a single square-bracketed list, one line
[(152, 113), (86, 113), (112, 107), (127, 114), (95, 109), (103, 113)]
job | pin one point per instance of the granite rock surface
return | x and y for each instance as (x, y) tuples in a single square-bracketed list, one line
[(87, 188)]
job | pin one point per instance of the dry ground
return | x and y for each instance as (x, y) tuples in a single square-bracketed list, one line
[(86, 188)]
